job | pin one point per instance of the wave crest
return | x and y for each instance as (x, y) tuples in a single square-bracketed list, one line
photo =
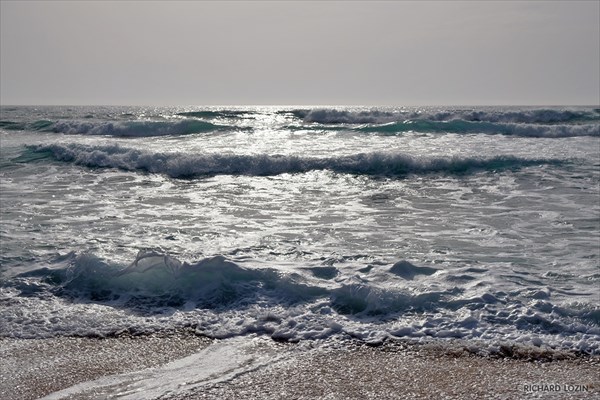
[(181, 165)]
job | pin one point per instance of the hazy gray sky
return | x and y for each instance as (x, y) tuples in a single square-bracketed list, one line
[(246, 52)]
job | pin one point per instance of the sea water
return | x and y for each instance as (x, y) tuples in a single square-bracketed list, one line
[(479, 224)]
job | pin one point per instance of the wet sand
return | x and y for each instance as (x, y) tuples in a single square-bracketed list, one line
[(31, 369), (396, 373)]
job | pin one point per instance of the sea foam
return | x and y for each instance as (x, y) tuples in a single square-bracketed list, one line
[(220, 298)]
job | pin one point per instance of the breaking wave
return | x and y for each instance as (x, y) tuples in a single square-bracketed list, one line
[(219, 298), (163, 280), (183, 165)]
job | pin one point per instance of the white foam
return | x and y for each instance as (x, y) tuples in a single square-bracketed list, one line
[(217, 298), (219, 362)]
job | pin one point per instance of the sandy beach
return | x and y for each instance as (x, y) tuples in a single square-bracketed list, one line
[(387, 373), (258, 368)]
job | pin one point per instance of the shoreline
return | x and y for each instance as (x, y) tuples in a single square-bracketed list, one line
[(260, 368)]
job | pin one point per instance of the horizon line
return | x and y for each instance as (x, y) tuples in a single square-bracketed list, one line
[(302, 105)]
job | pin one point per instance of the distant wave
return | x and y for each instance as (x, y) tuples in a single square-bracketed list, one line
[(332, 116), (527, 116), (119, 128), (513, 129), (210, 114), (20, 126), (541, 123), (534, 123), (182, 165)]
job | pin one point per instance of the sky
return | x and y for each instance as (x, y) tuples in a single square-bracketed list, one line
[(300, 53)]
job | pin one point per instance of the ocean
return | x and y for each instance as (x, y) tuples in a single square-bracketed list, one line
[(471, 224)]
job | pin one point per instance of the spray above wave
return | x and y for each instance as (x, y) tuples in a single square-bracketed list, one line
[(182, 165)]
